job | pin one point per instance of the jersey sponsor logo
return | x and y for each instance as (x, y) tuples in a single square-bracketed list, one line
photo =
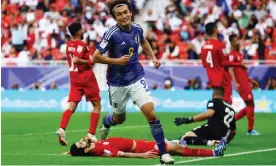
[(103, 44), (79, 49), (71, 49), (208, 46)]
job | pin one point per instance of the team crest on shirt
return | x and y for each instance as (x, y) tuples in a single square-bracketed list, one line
[(79, 49), (137, 39)]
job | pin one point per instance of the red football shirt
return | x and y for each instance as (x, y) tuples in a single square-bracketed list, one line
[(111, 146), (240, 74), (212, 57), (77, 48)]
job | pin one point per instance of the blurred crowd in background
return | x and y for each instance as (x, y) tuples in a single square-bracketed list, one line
[(36, 29)]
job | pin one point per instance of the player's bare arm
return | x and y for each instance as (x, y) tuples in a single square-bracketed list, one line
[(232, 74), (147, 48), (149, 154), (198, 118), (77, 60), (97, 57)]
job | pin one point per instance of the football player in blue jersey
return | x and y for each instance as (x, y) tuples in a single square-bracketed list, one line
[(127, 81)]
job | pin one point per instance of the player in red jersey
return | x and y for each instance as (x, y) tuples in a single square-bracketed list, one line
[(216, 64), (242, 83), (82, 81), (126, 147)]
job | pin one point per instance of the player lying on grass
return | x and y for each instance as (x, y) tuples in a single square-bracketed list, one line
[(220, 123), (126, 147)]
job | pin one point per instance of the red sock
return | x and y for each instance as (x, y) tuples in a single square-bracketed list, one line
[(197, 152), (241, 114), (65, 118), (250, 117), (94, 118)]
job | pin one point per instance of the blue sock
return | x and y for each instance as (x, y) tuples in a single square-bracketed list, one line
[(158, 135), (108, 120)]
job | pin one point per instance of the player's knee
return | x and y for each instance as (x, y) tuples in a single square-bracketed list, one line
[(250, 103), (151, 116), (189, 134), (97, 106), (73, 106)]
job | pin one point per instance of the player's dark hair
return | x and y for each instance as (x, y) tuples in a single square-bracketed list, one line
[(232, 37), (210, 28), (75, 151), (74, 28), (218, 91), (117, 3)]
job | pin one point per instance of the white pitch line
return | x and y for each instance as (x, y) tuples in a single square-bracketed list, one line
[(228, 155), (72, 131)]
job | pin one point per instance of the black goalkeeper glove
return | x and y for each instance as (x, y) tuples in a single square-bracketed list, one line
[(179, 121)]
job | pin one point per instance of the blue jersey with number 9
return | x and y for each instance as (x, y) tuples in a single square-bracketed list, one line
[(119, 43)]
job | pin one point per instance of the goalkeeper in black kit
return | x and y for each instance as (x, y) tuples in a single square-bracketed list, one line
[(221, 123)]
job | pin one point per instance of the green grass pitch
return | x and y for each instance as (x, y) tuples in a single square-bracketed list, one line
[(29, 139)]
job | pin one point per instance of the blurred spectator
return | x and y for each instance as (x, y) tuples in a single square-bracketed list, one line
[(168, 85), (38, 86), (208, 86), (53, 86), (197, 83), (17, 36), (15, 86), (48, 55), (171, 50), (190, 84), (150, 16), (23, 57), (271, 84), (155, 86)]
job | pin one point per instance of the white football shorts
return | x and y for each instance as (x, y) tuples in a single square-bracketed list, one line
[(138, 92)]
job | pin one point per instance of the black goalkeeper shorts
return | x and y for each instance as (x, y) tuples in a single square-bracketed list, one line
[(208, 132)]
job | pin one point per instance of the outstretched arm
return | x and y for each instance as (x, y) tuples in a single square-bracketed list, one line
[(232, 74), (77, 60), (200, 117), (147, 48), (149, 154)]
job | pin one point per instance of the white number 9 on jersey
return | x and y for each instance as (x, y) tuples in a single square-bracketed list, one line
[(209, 59)]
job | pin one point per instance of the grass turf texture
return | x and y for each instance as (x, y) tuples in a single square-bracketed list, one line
[(29, 139)]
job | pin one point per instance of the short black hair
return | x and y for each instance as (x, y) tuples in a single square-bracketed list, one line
[(113, 3), (210, 28), (231, 37), (75, 151), (218, 91), (74, 28)]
